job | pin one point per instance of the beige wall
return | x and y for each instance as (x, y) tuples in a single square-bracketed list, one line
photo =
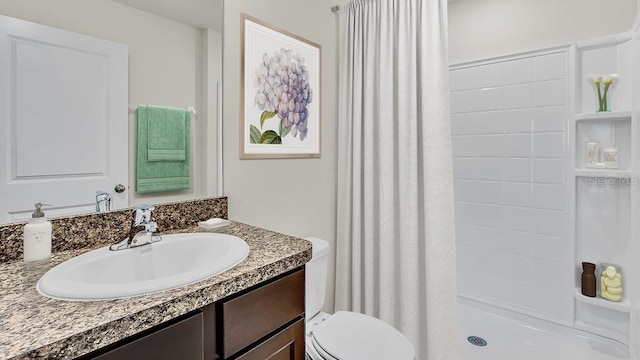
[(292, 196), (167, 65), (480, 29)]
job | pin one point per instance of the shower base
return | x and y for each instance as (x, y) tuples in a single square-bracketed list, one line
[(511, 336)]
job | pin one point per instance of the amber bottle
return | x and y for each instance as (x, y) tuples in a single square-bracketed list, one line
[(588, 279)]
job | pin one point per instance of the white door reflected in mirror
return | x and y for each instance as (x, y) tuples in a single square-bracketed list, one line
[(64, 113)]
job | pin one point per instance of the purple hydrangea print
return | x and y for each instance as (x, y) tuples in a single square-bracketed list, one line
[(282, 89)]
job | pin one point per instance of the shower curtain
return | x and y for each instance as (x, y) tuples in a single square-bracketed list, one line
[(395, 251)]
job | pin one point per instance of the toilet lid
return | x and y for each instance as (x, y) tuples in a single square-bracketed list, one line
[(351, 336)]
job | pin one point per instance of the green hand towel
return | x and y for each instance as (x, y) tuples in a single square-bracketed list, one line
[(157, 176), (166, 133)]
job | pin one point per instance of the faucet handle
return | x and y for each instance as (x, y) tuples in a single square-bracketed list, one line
[(143, 207), (142, 213)]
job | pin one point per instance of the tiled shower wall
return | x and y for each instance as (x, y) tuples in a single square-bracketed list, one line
[(509, 144)]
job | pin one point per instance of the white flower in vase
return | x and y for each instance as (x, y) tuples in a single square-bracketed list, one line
[(597, 79), (607, 80)]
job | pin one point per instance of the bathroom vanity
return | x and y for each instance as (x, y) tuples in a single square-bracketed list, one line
[(263, 322), (253, 311)]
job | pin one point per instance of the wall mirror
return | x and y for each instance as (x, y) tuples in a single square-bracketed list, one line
[(172, 57)]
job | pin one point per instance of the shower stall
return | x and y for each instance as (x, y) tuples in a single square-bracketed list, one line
[(531, 207)]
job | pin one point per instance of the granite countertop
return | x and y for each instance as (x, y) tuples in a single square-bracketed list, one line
[(34, 326)]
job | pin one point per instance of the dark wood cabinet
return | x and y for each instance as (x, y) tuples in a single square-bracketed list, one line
[(248, 317), (288, 344), (262, 322), (181, 340)]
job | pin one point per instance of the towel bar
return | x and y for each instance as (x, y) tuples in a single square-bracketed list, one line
[(132, 110)]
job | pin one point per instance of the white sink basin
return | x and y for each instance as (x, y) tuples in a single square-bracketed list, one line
[(177, 260)]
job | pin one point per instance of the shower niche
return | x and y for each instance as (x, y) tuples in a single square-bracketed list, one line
[(603, 189), (607, 129)]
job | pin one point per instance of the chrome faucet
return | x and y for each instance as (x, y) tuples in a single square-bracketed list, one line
[(103, 201), (141, 231)]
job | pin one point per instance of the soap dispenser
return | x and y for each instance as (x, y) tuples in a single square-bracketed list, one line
[(37, 236)]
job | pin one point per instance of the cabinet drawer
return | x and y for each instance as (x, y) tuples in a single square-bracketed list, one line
[(251, 316), (288, 344), (182, 340)]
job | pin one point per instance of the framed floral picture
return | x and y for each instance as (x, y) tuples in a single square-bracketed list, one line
[(280, 93)]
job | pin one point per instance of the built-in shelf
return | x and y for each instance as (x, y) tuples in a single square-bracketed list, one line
[(603, 173), (605, 129), (622, 306), (607, 115)]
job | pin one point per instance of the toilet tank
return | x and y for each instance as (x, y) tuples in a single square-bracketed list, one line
[(316, 277)]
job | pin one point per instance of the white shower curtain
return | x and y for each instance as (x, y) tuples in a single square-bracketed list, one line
[(395, 241)]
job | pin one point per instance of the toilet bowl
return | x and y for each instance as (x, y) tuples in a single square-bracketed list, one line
[(344, 335)]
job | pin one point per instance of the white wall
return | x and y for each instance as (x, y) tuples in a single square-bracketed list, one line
[(166, 62), (480, 29), (293, 196), (512, 218)]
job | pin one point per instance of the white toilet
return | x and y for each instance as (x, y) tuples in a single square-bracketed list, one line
[(345, 335)]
